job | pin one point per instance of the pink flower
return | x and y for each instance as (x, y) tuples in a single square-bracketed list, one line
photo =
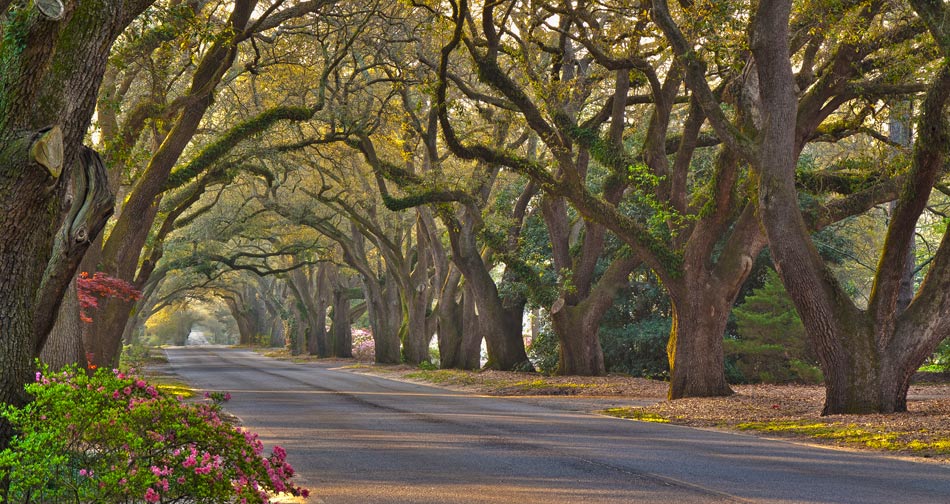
[(140, 383), (190, 461), (152, 496), (127, 390)]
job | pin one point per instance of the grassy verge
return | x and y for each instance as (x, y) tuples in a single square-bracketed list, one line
[(880, 433), (853, 434)]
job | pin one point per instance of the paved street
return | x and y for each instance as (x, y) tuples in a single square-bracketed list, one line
[(362, 439)]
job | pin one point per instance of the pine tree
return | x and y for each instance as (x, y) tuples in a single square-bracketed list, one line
[(771, 345)]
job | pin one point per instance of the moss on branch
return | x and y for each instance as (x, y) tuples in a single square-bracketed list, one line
[(231, 138)]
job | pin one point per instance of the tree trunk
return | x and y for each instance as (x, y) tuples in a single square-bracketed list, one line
[(415, 342), (578, 326), (246, 329), (499, 321), (502, 326), (472, 333), (105, 332), (298, 333), (382, 308), (450, 335), (317, 340), (64, 345), (459, 341), (695, 348), (342, 336), (579, 352)]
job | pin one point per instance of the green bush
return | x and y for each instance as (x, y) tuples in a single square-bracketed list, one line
[(939, 361), (543, 351), (112, 437), (638, 349)]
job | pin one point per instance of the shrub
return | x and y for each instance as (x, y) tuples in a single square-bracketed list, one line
[(112, 437), (939, 361), (639, 348), (364, 347), (543, 351)]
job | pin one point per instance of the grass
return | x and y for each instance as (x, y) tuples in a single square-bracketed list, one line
[(853, 434), (171, 385), (444, 376), (638, 414), (919, 442)]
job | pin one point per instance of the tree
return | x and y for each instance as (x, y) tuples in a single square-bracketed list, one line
[(687, 216), (53, 189), (655, 191), (770, 345), (868, 356), (129, 252)]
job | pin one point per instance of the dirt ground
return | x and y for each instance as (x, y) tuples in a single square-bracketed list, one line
[(786, 411)]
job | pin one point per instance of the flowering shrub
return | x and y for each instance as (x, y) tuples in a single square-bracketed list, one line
[(364, 348), (112, 437)]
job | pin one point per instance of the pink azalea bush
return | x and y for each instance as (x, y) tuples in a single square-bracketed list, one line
[(112, 437), (364, 347)]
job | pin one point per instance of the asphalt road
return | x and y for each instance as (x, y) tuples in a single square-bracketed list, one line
[(361, 439)]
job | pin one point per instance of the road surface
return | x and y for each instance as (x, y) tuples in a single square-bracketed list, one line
[(362, 439)]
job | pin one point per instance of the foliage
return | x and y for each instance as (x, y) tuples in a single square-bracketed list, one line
[(136, 356), (635, 331), (770, 346), (91, 289), (172, 324), (543, 350), (940, 360), (112, 437), (638, 348), (428, 366)]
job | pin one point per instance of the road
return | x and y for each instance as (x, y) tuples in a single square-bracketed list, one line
[(361, 439)]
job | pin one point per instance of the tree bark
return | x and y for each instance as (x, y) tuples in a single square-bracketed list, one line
[(578, 326), (341, 334), (415, 344), (64, 345), (695, 348)]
